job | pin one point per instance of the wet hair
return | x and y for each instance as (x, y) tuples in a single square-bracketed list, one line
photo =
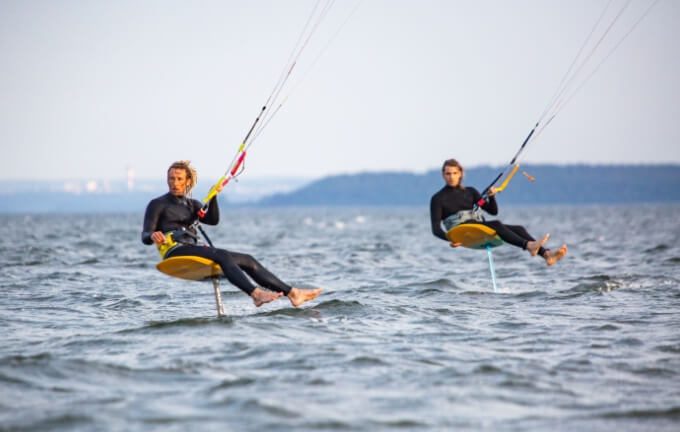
[(455, 164), (192, 175)]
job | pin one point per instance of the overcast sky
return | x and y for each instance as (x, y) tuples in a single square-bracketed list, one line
[(90, 88)]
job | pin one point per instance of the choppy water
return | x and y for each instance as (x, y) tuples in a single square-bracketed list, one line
[(408, 334)]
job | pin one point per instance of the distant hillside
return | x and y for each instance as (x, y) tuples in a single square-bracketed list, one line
[(569, 184)]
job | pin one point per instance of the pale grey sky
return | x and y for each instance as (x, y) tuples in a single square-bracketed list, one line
[(92, 87)]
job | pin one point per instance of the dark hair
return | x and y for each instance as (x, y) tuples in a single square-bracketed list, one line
[(452, 163)]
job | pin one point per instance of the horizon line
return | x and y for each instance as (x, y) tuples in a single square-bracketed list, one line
[(345, 173)]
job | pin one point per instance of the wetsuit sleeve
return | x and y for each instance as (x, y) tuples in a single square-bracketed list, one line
[(436, 218), (212, 216), (490, 206), (151, 216)]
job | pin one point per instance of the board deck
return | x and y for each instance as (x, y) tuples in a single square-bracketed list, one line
[(189, 267), (474, 236)]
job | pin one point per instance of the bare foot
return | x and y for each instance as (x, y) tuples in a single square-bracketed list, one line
[(297, 296), (261, 296), (551, 257), (534, 246)]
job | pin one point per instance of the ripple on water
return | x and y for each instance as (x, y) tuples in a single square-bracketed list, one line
[(629, 341), (672, 413), (339, 306), (152, 326), (409, 335), (590, 285), (669, 348), (367, 361), (229, 383), (47, 420), (599, 328)]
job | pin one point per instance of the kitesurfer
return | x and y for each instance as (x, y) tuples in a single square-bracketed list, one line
[(176, 212), (454, 205)]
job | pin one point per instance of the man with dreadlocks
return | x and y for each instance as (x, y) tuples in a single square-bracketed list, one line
[(176, 212)]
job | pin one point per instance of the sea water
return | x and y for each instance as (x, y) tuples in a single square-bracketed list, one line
[(407, 335)]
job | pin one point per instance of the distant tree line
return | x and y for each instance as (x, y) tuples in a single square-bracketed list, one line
[(568, 184), (554, 184)]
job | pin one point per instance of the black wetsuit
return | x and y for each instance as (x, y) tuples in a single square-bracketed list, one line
[(450, 200), (169, 213)]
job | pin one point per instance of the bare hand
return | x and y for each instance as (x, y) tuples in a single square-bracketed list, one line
[(455, 245), (492, 191), (158, 237)]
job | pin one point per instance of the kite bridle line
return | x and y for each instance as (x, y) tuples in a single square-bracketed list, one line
[(237, 164), (568, 87), (233, 170)]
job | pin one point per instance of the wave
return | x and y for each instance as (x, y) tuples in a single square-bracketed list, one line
[(402, 424), (599, 328), (335, 306), (56, 373), (592, 284), (339, 305), (368, 361), (33, 262), (415, 318), (230, 383), (667, 413), (25, 359), (658, 248), (49, 421), (181, 322), (121, 304), (530, 294), (673, 349)]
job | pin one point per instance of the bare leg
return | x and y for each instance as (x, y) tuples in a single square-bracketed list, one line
[(297, 296), (261, 296), (551, 257), (534, 246)]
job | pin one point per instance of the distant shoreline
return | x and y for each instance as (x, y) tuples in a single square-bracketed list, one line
[(555, 184)]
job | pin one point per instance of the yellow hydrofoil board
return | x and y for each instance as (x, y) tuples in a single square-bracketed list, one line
[(189, 267), (474, 236)]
